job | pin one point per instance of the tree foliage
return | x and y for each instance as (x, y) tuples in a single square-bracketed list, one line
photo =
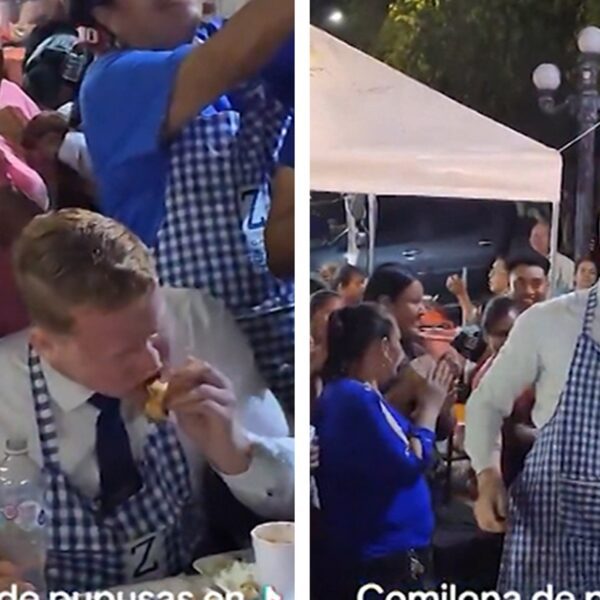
[(363, 21), (482, 52)]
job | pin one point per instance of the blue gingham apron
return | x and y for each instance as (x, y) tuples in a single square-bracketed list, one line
[(86, 552), (212, 237), (554, 513)]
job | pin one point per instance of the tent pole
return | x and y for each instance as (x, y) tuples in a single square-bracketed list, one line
[(554, 242), (352, 250), (372, 204)]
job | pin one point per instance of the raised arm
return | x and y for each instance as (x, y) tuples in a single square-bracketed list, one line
[(244, 44)]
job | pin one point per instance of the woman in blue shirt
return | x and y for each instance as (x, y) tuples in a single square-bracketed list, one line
[(402, 294), (377, 514)]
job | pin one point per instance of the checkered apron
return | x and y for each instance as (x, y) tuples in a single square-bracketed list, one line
[(554, 522), (86, 552), (217, 202)]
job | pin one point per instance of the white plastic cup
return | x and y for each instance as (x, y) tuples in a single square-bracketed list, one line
[(274, 551)]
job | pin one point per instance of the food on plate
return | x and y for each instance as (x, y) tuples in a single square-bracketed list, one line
[(251, 590), (154, 408), (239, 577)]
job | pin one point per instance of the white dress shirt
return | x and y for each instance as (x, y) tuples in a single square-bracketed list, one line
[(538, 353), (563, 275), (203, 328), (74, 153)]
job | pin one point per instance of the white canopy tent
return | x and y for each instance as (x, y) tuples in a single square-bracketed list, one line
[(376, 131)]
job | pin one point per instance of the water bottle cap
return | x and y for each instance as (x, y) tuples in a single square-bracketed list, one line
[(16, 446), (208, 9)]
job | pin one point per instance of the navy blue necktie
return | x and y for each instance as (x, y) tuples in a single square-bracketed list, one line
[(119, 476)]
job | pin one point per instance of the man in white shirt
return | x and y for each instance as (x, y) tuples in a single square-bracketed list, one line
[(125, 494), (553, 348), (74, 153), (563, 276), (528, 280)]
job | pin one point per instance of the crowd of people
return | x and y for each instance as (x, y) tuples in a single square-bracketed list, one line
[(382, 398), (146, 232)]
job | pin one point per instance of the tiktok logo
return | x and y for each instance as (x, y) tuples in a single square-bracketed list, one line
[(269, 593)]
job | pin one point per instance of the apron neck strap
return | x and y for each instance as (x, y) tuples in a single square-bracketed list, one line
[(43, 410), (590, 310)]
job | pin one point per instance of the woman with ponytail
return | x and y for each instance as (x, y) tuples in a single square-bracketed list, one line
[(376, 506)]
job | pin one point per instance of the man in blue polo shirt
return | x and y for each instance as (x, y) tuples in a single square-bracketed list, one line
[(184, 154)]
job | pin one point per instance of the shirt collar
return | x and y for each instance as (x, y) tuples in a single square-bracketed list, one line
[(68, 394)]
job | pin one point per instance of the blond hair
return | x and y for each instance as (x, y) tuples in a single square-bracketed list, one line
[(75, 257)]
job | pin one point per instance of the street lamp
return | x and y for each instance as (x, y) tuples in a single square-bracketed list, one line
[(584, 105), (336, 17)]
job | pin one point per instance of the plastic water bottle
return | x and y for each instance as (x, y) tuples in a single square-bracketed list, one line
[(23, 515)]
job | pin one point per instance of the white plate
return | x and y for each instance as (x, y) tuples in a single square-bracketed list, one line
[(209, 566), (199, 586)]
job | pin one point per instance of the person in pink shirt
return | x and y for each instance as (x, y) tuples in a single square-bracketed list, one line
[(16, 173), (17, 109), (12, 95), (23, 194), (15, 212)]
